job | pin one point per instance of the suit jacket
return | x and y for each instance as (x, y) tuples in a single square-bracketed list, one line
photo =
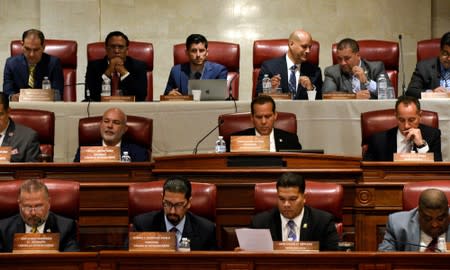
[(336, 80), (135, 84), (16, 74), (23, 141), (66, 227), (426, 76), (278, 65), (179, 75), (317, 225), (403, 228), (136, 152), (383, 145), (283, 140), (199, 230)]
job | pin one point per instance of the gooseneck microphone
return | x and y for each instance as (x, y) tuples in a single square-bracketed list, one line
[(402, 62), (202, 139)]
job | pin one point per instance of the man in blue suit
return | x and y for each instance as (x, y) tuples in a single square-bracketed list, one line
[(197, 68), (28, 69)]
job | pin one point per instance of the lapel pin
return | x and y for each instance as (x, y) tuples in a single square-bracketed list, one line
[(305, 226)]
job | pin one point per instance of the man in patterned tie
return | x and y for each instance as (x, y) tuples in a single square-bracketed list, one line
[(292, 220)]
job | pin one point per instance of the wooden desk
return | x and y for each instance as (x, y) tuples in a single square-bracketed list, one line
[(45, 261)]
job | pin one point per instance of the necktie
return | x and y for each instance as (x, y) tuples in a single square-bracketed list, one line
[(198, 75), (114, 84), (34, 229), (432, 245), (292, 235), (446, 79), (31, 69), (293, 81)]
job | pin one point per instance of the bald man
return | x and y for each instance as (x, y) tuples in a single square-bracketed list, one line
[(291, 72)]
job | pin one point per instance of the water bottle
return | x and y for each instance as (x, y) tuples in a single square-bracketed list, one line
[(442, 245), (46, 85), (125, 157), (266, 84), (106, 88), (221, 145), (185, 245), (382, 86)]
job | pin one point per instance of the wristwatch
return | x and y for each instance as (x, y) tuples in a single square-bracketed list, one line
[(422, 145)]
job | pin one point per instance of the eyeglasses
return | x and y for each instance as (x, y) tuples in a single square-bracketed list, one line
[(116, 47), (445, 53), (177, 206), (27, 208)]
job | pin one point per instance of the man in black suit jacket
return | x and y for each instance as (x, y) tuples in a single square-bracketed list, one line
[(35, 216), (308, 76), (408, 136), (309, 224), (176, 217), (131, 72)]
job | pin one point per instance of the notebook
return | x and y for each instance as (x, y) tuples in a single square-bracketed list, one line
[(211, 89)]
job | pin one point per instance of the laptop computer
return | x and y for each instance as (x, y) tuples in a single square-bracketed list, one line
[(211, 89)]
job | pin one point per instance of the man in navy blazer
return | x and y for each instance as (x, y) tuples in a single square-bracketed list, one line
[(112, 128), (28, 69), (197, 68), (308, 77)]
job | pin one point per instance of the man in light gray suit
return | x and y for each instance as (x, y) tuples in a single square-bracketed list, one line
[(23, 140), (420, 229), (353, 74)]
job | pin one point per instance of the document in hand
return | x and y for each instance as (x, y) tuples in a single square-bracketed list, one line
[(254, 239)]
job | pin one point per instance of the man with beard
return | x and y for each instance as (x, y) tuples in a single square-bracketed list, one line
[(35, 217), (176, 217), (113, 126), (420, 229)]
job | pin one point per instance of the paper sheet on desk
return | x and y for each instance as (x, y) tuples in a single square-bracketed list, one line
[(254, 239)]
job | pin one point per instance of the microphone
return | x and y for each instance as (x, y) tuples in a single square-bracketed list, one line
[(402, 62), (413, 244), (202, 139)]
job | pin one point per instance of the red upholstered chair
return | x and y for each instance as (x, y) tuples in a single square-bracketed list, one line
[(140, 131), (234, 122), (378, 121), (139, 50), (225, 53), (328, 197), (66, 51), (428, 48), (378, 50), (412, 190), (271, 48), (43, 122)]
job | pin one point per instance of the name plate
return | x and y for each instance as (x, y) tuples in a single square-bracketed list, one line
[(152, 241), (303, 246), (339, 95), (432, 95), (36, 95), (249, 144), (117, 98), (99, 153), (414, 157), (175, 98), (5, 154), (36, 242), (277, 95)]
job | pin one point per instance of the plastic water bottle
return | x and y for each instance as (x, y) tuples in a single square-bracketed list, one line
[(442, 245), (106, 88), (382, 86), (46, 85), (266, 84), (221, 146), (185, 245), (125, 157)]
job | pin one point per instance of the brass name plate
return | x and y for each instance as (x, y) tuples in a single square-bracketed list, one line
[(175, 98), (99, 153), (249, 144), (152, 241), (5, 154), (36, 242), (36, 95), (414, 157), (117, 98), (296, 246)]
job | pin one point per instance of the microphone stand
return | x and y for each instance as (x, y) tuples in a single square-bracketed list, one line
[(202, 139), (402, 62)]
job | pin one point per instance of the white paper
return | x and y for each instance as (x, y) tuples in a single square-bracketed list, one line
[(254, 239)]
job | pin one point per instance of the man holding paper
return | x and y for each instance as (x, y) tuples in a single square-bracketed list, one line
[(292, 220)]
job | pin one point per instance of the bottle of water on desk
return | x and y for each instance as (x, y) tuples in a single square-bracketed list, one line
[(266, 84), (125, 157), (106, 88), (185, 245), (382, 86), (221, 146), (46, 85)]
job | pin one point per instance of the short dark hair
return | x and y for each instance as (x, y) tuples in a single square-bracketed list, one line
[(260, 100), (4, 100), (433, 199), (34, 32), (116, 34), (33, 185), (178, 184), (407, 100), (289, 179), (348, 43), (445, 40), (195, 39)]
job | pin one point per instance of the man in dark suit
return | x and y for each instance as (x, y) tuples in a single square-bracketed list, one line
[(176, 217), (22, 140), (292, 220), (408, 136), (432, 74), (35, 217), (353, 74), (264, 115), (291, 72), (118, 70), (112, 128), (198, 67), (28, 69)]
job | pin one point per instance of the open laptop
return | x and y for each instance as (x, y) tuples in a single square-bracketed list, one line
[(211, 89)]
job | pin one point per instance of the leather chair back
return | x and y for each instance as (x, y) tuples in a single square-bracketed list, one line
[(142, 51), (66, 51), (412, 190), (377, 121), (328, 197), (140, 131), (225, 53), (43, 122), (234, 122), (428, 48), (272, 48), (378, 50)]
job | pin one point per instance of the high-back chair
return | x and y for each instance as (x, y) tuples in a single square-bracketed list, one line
[(428, 48), (412, 190)]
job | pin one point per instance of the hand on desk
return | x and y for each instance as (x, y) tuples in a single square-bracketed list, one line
[(363, 94), (174, 92)]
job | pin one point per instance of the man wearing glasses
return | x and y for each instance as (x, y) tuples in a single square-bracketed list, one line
[(176, 217), (35, 217), (432, 74), (124, 74)]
